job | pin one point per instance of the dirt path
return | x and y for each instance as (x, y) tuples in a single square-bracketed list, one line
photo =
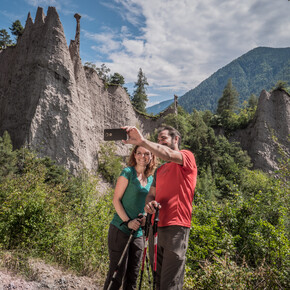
[(46, 277)]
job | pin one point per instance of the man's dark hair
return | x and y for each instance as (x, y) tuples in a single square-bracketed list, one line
[(171, 131)]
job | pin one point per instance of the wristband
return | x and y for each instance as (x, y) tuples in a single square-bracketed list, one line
[(125, 223)]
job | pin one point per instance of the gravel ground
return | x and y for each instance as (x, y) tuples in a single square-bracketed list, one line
[(46, 277)]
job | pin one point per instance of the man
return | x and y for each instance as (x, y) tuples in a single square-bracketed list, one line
[(173, 188)]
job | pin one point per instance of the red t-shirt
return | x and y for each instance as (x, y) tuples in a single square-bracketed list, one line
[(175, 186)]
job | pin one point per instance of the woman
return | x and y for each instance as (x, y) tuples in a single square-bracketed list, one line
[(129, 200)]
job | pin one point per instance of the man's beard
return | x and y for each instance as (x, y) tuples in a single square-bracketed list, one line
[(171, 145)]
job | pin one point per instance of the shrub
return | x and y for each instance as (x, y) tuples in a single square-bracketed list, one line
[(109, 164), (8, 160), (223, 273), (52, 214)]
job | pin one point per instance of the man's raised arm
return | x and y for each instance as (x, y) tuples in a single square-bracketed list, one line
[(159, 150)]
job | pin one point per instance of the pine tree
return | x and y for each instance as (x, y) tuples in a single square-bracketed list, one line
[(140, 97), (229, 100), (117, 79), (17, 28), (4, 39)]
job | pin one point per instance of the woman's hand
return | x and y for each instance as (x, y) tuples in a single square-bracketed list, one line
[(135, 224)]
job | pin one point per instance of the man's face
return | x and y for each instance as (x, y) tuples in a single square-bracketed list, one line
[(165, 139)]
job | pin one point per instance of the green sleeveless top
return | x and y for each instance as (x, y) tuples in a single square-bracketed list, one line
[(133, 199)]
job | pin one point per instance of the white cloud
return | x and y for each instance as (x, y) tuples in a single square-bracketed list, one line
[(129, 10), (106, 41), (135, 47), (185, 41)]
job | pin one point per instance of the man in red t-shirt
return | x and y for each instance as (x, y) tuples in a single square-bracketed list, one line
[(173, 188)]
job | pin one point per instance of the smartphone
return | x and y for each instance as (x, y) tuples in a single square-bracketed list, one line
[(115, 134)]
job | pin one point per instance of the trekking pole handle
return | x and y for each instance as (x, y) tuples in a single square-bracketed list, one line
[(148, 219), (156, 218), (147, 224)]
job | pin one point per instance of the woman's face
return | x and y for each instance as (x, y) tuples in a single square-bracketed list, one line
[(142, 156)]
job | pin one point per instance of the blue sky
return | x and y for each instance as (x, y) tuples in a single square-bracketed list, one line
[(177, 43)]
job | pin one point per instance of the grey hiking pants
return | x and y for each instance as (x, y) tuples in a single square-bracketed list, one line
[(171, 250)]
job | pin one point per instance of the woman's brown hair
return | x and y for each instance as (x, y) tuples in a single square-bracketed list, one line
[(150, 167)]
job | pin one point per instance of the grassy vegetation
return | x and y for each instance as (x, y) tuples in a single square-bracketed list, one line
[(47, 212), (240, 225)]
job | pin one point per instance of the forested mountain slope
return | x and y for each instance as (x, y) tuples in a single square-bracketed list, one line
[(155, 109), (254, 71)]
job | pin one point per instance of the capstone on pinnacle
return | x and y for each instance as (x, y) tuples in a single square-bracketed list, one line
[(77, 37)]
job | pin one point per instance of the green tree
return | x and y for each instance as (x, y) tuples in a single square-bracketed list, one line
[(140, 97), (253, 101), (4, 39), (117, 79), (281, 85), (103, 72), (17, 29), (229, 100), (179, 122), (201, 140), (91, 65)]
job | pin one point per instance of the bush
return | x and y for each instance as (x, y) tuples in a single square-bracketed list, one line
[(223, 273), (8, 159), (109, 164), (251, 231), (47, 212)]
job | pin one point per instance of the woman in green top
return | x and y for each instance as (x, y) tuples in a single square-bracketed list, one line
[(129, 200)]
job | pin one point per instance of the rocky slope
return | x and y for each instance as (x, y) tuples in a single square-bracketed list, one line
[(50, 102), (269, 132)]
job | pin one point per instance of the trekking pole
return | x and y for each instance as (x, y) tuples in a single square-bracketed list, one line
[(121, 259), (147, 227), (155, 235), (148, 270)]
